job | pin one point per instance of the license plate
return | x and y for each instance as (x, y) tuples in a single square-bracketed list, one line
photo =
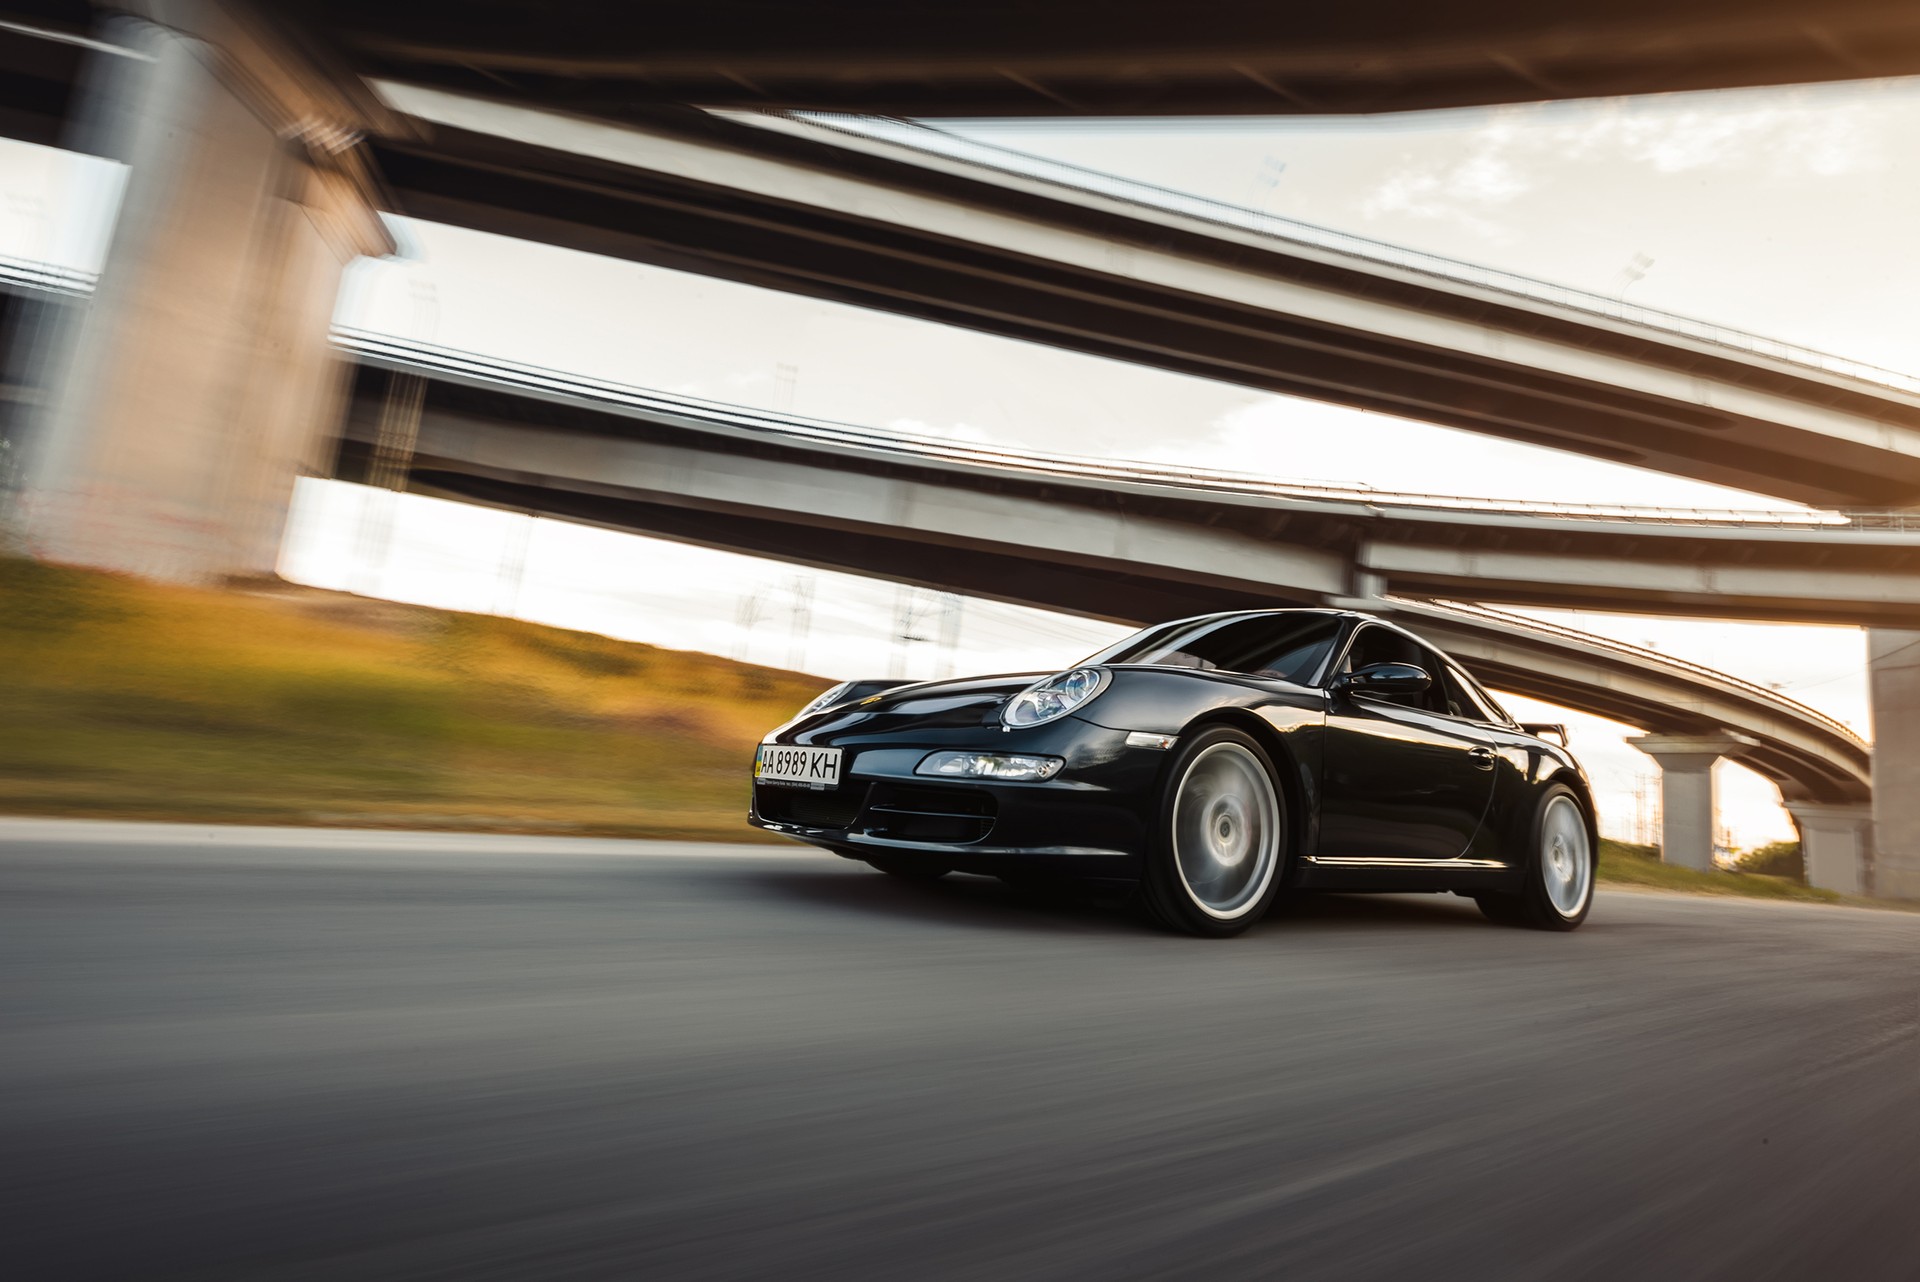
[(797, 767)]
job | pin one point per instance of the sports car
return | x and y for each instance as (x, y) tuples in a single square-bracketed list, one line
[(1207, 766)]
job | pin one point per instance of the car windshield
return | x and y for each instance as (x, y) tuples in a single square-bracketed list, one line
[(1286, 645)]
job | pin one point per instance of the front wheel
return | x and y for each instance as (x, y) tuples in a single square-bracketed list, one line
[(1217, 856), (1558, 891)]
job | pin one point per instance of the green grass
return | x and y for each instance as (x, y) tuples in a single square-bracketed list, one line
[(1623, 864), (285, 705)]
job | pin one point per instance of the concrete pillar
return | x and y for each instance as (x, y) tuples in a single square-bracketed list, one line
[(1687, 799), (1893, 668), (1836, 843), (185, 398)]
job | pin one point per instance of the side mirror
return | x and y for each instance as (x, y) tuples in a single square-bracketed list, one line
[(1384, 678), (1546, 730)]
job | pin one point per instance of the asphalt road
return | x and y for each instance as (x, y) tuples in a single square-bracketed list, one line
[(357, 1056)]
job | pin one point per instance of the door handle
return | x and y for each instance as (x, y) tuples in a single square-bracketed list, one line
[(1482, 757)]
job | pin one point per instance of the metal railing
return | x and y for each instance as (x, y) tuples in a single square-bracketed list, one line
[(1766, 694), (1045, 465), (933, 141)]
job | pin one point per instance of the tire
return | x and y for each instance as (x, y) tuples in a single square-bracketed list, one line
[(1220, 842), (908, 868), (1500, 908), (1557, 893)]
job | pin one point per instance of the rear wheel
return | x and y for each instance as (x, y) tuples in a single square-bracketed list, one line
[(1216, 860), (1558, 890), (907, 868)]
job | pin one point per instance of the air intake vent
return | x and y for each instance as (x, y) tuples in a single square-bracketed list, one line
[(836, 808), (951, 816)]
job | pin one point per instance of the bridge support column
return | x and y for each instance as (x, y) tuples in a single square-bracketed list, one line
[(1893, 669), (1836, 843), (186, 396), (1687, 800)]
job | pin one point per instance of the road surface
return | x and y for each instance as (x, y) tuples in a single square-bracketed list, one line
[(271, 1055)]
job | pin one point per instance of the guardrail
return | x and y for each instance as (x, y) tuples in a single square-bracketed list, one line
[(930, 140), (1078, 467), (1519, 622)]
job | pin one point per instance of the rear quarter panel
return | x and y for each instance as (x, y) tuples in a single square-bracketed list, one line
[(1528, 767)]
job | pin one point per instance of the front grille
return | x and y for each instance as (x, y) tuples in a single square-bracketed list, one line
[(833, 808), (909, 812)]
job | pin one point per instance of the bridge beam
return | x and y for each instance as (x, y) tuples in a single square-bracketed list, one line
[(186, 396), (1687, 794), (1836, 845), (1893, 668)]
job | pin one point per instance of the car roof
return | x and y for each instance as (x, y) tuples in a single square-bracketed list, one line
[(1329, 611)]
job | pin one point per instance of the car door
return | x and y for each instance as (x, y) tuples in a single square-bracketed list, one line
[(1402, 778)]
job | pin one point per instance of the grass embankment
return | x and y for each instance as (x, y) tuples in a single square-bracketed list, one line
[(121, 699), (1623, 864)]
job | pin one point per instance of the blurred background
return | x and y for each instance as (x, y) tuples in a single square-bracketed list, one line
[(495, 417), (283, 441)]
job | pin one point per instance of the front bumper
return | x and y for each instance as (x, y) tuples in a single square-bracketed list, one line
[(1090, 820)]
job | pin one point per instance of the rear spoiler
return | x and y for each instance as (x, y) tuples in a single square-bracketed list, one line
[(1546, 730)]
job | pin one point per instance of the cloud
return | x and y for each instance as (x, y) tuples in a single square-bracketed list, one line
[(1781, 140), (1455, 189), (1523, 150)]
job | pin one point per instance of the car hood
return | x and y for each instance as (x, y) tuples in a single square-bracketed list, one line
[(970, 701)]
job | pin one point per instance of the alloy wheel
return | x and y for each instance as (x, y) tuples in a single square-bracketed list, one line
[(1226, 830)]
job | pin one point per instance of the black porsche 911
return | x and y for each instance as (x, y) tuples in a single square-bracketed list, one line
[(1212, 764)]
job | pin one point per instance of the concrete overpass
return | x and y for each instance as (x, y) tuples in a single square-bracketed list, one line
[(909, 221), (1216, 57), (241, 265), (1859, 568), (835, 498), (1851, 567), (915, 222)]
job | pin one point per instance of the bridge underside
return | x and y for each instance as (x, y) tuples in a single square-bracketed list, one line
[(1126, 57), (1842, 575), (810, 213), (1862, 585), (797, 214), (954, 58)]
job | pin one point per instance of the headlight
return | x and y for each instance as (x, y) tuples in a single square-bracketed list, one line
[(1052, 698), (826, 699), (989, 765)]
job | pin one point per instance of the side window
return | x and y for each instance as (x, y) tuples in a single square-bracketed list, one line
[(1376, 644), (1460, 701), (1475, 704), (1299, 654), (1437, 698)]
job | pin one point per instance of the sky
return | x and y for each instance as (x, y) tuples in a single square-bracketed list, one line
[(1781, 212)]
